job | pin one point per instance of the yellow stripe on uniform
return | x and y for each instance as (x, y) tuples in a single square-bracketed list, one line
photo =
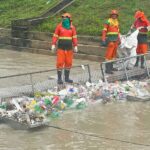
[(112, 33), (65, 38), (75, 36), (143, 32)]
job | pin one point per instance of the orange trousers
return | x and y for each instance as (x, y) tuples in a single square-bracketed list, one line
[(142, 48), (64, 59), (111, 51)]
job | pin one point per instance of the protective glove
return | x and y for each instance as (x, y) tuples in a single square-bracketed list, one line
[(75, 49), (103, 43), (53, 48), (139, 28), (148, 28)]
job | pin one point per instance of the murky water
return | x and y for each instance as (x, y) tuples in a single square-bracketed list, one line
[(13, 62), (111, 126), (114, 126)]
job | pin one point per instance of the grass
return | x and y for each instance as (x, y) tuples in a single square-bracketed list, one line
[(20, 9), (89, 15)]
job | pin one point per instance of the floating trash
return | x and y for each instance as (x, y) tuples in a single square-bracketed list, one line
[(38, 111)]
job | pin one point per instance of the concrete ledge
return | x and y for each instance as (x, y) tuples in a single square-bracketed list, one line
[(5, 32), (39, 42), (47, 52), (86, 49), (92, 50), (46, 36)]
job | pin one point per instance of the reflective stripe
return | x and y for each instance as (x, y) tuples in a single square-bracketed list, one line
[(55, 35), (110, 59), (59, 69), (112, 33), (143, 33), (75, 36), (66, 38)]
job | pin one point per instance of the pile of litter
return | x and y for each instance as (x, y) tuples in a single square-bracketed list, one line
[(45, 106)]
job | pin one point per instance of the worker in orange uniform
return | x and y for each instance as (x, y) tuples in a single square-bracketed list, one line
[(141, 23), (110, 33), (65, 35)]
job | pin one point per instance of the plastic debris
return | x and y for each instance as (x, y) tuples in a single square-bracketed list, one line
[(48, 105)]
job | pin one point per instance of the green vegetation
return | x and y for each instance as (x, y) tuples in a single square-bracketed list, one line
[(89, 15), (16, 9)]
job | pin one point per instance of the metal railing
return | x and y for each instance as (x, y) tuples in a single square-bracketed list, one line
[(29, 83), (126, 73)]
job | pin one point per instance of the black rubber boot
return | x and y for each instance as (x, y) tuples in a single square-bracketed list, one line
[(142, 62), (137, 62), (112, 68), (59, 74), (67, 73), (108, 68)]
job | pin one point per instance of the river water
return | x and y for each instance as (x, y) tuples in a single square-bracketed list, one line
[(110, 126)]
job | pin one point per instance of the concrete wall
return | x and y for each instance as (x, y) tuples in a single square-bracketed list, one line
[(39, 42)]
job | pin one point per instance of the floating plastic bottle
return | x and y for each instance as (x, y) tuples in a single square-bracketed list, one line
[(68, 101), (3, 106), (54, 114), (47, 101), (55, 100), (37, 108), (127, 88), (81, 105), (62, 105)]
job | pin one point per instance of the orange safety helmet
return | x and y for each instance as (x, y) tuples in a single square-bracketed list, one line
[(66, 15), (139, 14), (114, 12)]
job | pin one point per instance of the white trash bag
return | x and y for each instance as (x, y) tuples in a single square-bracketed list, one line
[(128, 48)]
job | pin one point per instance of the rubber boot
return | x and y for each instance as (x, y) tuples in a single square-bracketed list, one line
[(59, 74), (137, 62), (67, 73), (112, 68), (142, 62), (108, 68)]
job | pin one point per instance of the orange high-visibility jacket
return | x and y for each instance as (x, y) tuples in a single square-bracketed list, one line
[(140, 23), (67, 38), (142, 36), (111, 30)]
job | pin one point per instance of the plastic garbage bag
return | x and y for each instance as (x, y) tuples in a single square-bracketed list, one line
[(14, 101), (63, 92), (128, 48)]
